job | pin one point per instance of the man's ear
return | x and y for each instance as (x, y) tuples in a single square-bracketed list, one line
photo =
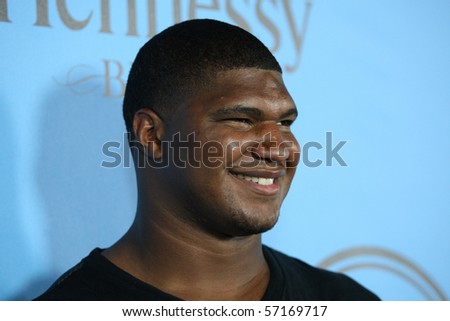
[(149, 129)]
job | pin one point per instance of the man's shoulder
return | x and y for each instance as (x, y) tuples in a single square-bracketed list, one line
[(95, 278), (303, 281), (75, 284)]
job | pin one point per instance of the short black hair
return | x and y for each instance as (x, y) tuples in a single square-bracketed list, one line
[(182, 58)]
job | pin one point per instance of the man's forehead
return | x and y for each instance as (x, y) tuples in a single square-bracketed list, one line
[(248, 73), (242, 87), (250, 80), (251, 84)]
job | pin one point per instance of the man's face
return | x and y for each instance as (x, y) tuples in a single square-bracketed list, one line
[(232, 176)]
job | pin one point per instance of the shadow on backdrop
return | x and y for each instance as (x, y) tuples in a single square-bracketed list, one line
[(13, 244), (85, 204)]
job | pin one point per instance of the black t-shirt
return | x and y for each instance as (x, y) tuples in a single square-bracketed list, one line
[(96, 278)]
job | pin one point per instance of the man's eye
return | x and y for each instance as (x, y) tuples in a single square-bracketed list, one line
[(286, 122), (240, 120)]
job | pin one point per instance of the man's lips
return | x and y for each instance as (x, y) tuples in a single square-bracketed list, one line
[(261, 173), (264, 182)]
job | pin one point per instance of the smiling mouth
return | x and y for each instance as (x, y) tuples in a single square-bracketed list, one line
[(254, 179)]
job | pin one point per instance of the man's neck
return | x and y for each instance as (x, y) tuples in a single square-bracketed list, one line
[(191, 264)]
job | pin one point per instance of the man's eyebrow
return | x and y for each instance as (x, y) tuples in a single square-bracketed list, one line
[(292, 111), (238, 110), (250, 111)]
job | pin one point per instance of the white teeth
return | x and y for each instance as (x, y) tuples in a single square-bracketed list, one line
[(258, 180)]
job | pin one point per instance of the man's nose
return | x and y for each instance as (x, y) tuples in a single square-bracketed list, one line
[(273, 147)]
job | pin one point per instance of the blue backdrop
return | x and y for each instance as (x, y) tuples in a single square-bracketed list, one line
[(371, 81)]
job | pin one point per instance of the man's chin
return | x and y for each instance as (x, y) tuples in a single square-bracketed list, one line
[(253, 230), (247, 227)]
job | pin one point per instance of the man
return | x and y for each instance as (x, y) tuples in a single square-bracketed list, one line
[(209, 121)]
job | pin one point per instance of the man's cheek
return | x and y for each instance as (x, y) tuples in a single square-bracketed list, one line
[(213, 154)]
